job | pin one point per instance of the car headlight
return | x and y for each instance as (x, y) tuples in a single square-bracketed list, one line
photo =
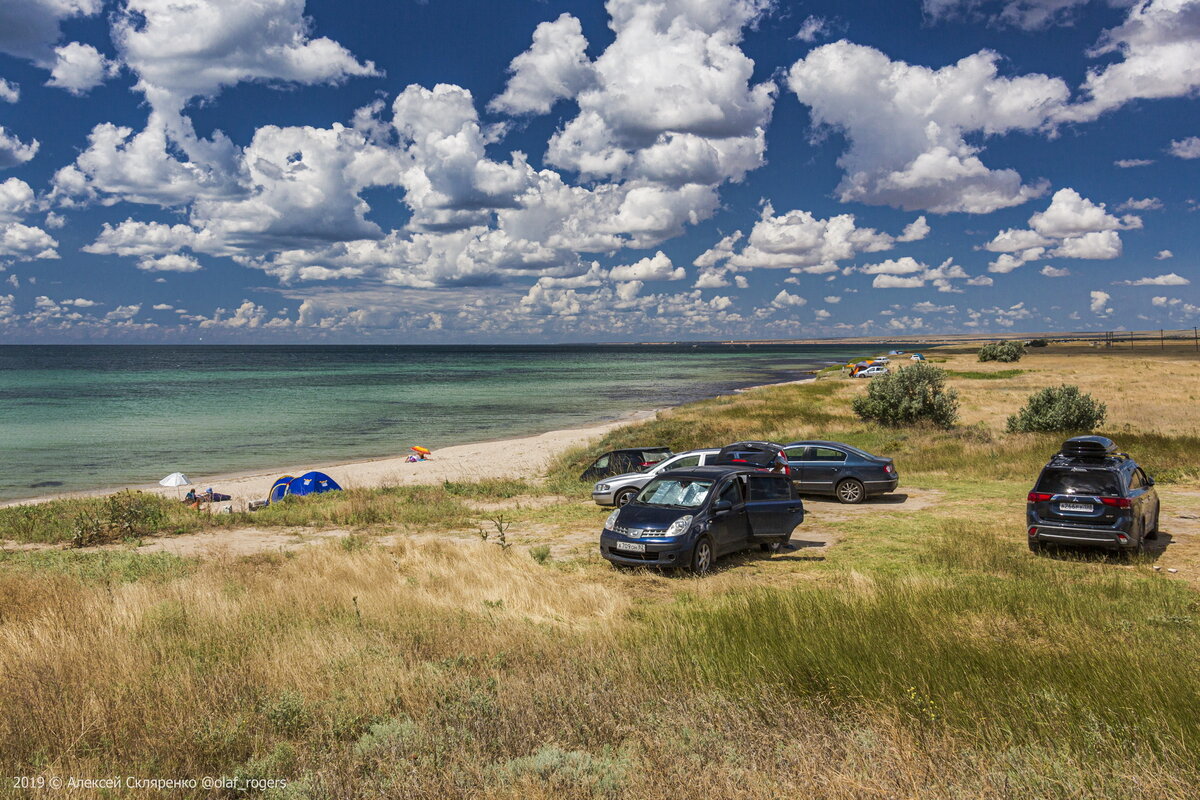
[(612, 519), (601, 487), (679, 526)]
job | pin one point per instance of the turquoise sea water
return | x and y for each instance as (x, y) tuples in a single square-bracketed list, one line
[(85, 417)]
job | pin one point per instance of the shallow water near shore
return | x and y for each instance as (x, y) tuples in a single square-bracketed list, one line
[(84, 417)]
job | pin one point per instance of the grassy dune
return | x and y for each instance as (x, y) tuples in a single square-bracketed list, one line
[(927, 654)]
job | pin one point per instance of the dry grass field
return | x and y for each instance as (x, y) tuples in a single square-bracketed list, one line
[(467, 641)]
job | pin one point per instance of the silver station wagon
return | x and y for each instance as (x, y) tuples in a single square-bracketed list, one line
[(620, 489)]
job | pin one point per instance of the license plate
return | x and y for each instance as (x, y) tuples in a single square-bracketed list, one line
[(633, 547), (1075, 507)]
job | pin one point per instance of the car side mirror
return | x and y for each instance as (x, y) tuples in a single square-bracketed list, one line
[(1149, 481), (721, 507)]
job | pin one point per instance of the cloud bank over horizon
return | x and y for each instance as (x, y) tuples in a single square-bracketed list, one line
[(650, 169)]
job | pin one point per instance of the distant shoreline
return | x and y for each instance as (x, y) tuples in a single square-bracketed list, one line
[(516, 458)]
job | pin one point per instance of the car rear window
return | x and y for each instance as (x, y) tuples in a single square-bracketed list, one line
[(1078, 480), (763, 487)]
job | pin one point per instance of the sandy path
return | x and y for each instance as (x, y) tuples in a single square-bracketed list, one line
[(522, 458)]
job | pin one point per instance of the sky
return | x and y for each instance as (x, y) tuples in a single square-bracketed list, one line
[(445, 171)]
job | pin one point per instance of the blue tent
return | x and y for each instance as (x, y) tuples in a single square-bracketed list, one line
[(306, 484), (279, 489)]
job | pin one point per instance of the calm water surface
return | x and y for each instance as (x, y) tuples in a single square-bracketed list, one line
[(81, 417)]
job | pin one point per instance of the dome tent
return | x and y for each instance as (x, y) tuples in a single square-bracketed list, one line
[(279, 489), (306, 484)]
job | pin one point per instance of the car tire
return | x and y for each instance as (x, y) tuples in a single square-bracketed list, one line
[(850, 491), (624, 496), (701, 561), (1036, 547)]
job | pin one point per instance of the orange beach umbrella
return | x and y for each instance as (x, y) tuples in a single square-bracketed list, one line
[(422, 450)]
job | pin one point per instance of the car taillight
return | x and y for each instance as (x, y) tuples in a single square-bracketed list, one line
[(887, 469), (1116, 502), (1033, 531), (1038, 497)]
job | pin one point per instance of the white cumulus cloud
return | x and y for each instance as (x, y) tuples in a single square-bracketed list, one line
[(1170, 279), (907, 125), (79, 67), (1188, 148), (555, 67)]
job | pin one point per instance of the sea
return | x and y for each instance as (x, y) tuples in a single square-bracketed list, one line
[(78, 417)]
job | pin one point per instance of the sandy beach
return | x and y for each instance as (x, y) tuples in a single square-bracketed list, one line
[(524, 458)]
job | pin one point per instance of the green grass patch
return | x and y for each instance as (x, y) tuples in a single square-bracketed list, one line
[(106, 567), (981, 639)]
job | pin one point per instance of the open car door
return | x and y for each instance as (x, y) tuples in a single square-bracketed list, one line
[(772, 507)]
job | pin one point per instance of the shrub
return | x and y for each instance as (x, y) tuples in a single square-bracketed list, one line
[(541, 553), (1039, 343), (1062, 408), (909, 395), (133, 513), (569, 772), (1002, 351)]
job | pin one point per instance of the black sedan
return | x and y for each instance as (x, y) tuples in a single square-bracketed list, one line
[(832, 468)]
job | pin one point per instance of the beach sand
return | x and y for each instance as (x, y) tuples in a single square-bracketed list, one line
[(524, 458)]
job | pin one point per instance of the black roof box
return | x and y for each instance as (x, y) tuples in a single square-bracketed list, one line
[(1089, 447)]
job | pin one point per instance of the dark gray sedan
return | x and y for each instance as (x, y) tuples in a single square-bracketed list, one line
[(832, 468)]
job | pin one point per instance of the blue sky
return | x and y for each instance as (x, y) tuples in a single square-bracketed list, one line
[(452, 171)]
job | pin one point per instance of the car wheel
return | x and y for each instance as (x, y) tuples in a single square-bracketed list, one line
[(1036, 547), (850, 491), (771, 548), (702, 557), (624, 496)]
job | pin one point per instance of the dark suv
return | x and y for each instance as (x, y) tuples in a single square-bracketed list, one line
[(689, 517), (1090, 494)]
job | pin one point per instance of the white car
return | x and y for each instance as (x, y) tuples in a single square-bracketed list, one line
[(872, 372), (882, 360), (620, 489)]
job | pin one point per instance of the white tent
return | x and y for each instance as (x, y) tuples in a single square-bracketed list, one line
[(175, 479)]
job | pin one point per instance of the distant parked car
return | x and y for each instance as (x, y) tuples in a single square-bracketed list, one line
[(883, 360), (871, 372), (689, 518), (1089, 494), (620, 489), (763, 455), (629, 459), (917, 357), (832, 468)]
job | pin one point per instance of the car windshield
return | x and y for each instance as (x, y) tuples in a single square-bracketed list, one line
[(1078, 480), (682, 492)]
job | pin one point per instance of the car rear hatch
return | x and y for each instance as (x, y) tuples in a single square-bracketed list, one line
[(1078, 496)]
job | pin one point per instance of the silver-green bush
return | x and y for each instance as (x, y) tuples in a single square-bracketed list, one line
[(909, 396), (1006, 352), (1058, 408)]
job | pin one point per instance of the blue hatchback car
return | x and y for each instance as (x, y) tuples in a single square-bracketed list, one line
[(689, 518)]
